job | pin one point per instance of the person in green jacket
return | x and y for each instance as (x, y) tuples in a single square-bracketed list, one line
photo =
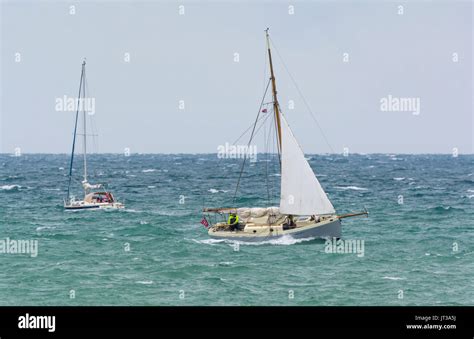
[(233, 221)]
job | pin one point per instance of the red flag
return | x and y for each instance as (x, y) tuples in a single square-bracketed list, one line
[(264, 110), (204, 222)]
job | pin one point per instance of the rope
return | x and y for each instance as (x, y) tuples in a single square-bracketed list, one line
[(250, 140), (303, 98)]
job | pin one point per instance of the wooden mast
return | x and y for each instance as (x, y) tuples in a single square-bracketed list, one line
[(274, 91)]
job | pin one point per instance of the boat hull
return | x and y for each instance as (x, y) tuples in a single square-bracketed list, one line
[(327, 229), (92, 206)]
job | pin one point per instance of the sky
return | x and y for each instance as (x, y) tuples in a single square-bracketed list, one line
[(345, 57)]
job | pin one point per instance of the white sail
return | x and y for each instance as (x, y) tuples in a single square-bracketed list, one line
[(301, 193)]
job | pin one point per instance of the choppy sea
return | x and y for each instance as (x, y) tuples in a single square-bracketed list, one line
[(418, 239)]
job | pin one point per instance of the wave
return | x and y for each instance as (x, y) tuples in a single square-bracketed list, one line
[(10, 187), (213, 190), (444, 210), (10, 178), (148, 170), (355, 188), (144, 282), (280, 241), (399, 179), (40, 228), (174, 213), (131, 210), (466, 181), (393, 278)]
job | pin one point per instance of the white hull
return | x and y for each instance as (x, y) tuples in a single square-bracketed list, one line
[(328, 228), (305, 210), (83, 205)]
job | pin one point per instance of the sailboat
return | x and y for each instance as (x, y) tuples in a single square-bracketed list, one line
[(93, 197), (305, 210)]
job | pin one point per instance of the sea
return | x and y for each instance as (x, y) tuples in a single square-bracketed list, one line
[(418, 240)]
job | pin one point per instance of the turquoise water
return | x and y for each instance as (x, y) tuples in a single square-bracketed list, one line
[(420, 252)]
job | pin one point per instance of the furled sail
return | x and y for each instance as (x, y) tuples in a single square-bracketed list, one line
[(88, 186), (301, 192)]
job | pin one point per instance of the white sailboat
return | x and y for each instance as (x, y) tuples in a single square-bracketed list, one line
[(305, 211), (93, 197)]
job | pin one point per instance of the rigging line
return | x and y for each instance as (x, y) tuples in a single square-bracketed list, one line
[(95, 142), (277, 166), (266, 162), (245, 132), (261, 125), (74, 138), (302, 97), (277, 163), (268, 151), (86, 112), (255, 132), (250, 140), (265, 67)]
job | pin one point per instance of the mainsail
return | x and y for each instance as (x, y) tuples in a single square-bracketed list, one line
[(301, 192)]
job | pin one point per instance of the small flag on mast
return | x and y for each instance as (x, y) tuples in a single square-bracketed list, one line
[(264, 110), (204, 222)]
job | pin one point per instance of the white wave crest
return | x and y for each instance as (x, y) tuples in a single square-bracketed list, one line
[(393, 278), (355, 188), (9, 187), (144, 282), (279, 241)]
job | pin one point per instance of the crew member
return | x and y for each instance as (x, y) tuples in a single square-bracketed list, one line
[(289, 222), (233, 221)]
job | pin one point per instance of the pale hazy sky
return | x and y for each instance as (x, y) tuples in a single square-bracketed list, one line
[(191, 57)]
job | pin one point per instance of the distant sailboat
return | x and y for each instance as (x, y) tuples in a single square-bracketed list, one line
[(305, 211), (92, 199)]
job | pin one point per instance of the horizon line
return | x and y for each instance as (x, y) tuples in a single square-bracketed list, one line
[(214, 153)]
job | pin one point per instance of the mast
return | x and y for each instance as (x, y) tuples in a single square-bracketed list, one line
[(85, 123), (274, 91), (75, 132)]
